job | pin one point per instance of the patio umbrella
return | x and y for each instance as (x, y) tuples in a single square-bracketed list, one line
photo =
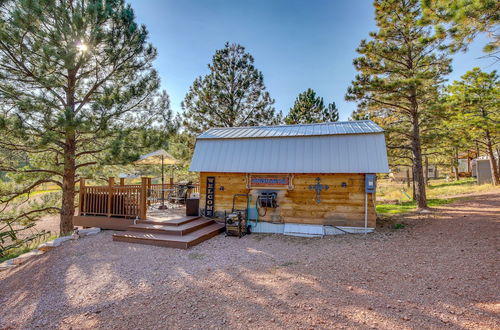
[(156, 158)]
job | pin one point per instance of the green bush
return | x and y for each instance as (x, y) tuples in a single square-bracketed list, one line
[(16, 239)]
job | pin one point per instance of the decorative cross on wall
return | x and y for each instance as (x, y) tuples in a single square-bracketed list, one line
[(318, 187)]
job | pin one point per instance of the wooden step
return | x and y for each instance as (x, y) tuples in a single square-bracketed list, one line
[(175, 241), (182, 229), (175, 220)]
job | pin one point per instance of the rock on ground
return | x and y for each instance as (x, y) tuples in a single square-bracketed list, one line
[(88, 231)]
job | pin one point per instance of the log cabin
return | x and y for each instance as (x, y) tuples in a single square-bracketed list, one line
[(305, 180)]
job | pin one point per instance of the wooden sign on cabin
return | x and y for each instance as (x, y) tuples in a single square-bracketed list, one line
[(274, 181), (209, 202)]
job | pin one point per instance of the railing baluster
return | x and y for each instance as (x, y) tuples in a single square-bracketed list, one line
[(130, 201)]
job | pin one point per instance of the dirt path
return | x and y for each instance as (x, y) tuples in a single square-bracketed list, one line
[(439, 271)]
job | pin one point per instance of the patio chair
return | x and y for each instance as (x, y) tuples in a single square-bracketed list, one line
[(179, 195)]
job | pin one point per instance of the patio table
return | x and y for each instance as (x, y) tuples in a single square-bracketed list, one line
[(163, 198)]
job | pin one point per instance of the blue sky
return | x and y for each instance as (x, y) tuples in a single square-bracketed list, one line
[(296, 44)]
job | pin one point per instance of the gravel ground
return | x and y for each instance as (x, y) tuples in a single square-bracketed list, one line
[(440, 271)]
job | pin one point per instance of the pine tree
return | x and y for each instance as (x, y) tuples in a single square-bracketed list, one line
[(400, 69), (463, 20), (309, 108), (76, 83), (232, 94), (360, 114), (473, 110)]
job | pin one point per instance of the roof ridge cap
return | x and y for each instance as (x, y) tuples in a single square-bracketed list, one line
[(296, 125)]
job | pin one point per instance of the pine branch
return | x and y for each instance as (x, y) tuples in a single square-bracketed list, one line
[(28, 189), (18, 217), (17, 170)]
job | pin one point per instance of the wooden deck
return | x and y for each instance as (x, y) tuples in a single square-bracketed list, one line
[(153, 215), (102, 222), (169, 231), (174, 232), (132, 201), (131, 208)]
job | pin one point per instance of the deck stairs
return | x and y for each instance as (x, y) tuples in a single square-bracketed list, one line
[(178, 232)]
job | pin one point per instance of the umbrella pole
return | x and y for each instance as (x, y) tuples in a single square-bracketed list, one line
[(162, 185)]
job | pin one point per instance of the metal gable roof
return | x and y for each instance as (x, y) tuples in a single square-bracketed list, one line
[(348, 147), (334, 128)]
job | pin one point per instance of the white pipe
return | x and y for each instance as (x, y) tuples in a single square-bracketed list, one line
[(366, 212)]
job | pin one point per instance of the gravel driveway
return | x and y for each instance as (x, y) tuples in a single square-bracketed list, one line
[(439, 271)]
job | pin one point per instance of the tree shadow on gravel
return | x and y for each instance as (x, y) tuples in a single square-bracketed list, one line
[(431, 274)]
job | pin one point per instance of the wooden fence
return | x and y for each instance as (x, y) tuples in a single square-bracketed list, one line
[(126, 201)]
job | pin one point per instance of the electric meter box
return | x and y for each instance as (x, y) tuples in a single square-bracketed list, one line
[(370, 183)]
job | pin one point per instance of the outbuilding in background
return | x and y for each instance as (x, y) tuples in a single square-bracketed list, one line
[(482, 166)]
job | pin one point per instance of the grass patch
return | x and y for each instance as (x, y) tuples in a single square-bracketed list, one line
[(463, 186), (14, 253), (395, 208), (441, 184), (410, 206), (439, 192), (38, 192)]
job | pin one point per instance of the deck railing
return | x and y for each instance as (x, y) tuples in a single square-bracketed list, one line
[(127, 201)]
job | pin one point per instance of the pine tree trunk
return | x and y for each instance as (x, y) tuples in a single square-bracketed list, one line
[(413, 183), (426, 172), (455, 167), (498, 159), (498, 162), (418, 173), (68, 189), (493, 163)]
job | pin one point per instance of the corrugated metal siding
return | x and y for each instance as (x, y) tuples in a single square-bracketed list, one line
[(335, 128), (363, 153)]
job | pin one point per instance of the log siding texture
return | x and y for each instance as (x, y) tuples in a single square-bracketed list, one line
[(339, 206)]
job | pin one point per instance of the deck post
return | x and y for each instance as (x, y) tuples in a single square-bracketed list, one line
[(111, 182), (122, 181), (149, 190), (143, 198), (81, 194)]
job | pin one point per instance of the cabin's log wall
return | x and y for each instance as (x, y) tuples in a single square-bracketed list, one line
[(233, 183), (339, 206)]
